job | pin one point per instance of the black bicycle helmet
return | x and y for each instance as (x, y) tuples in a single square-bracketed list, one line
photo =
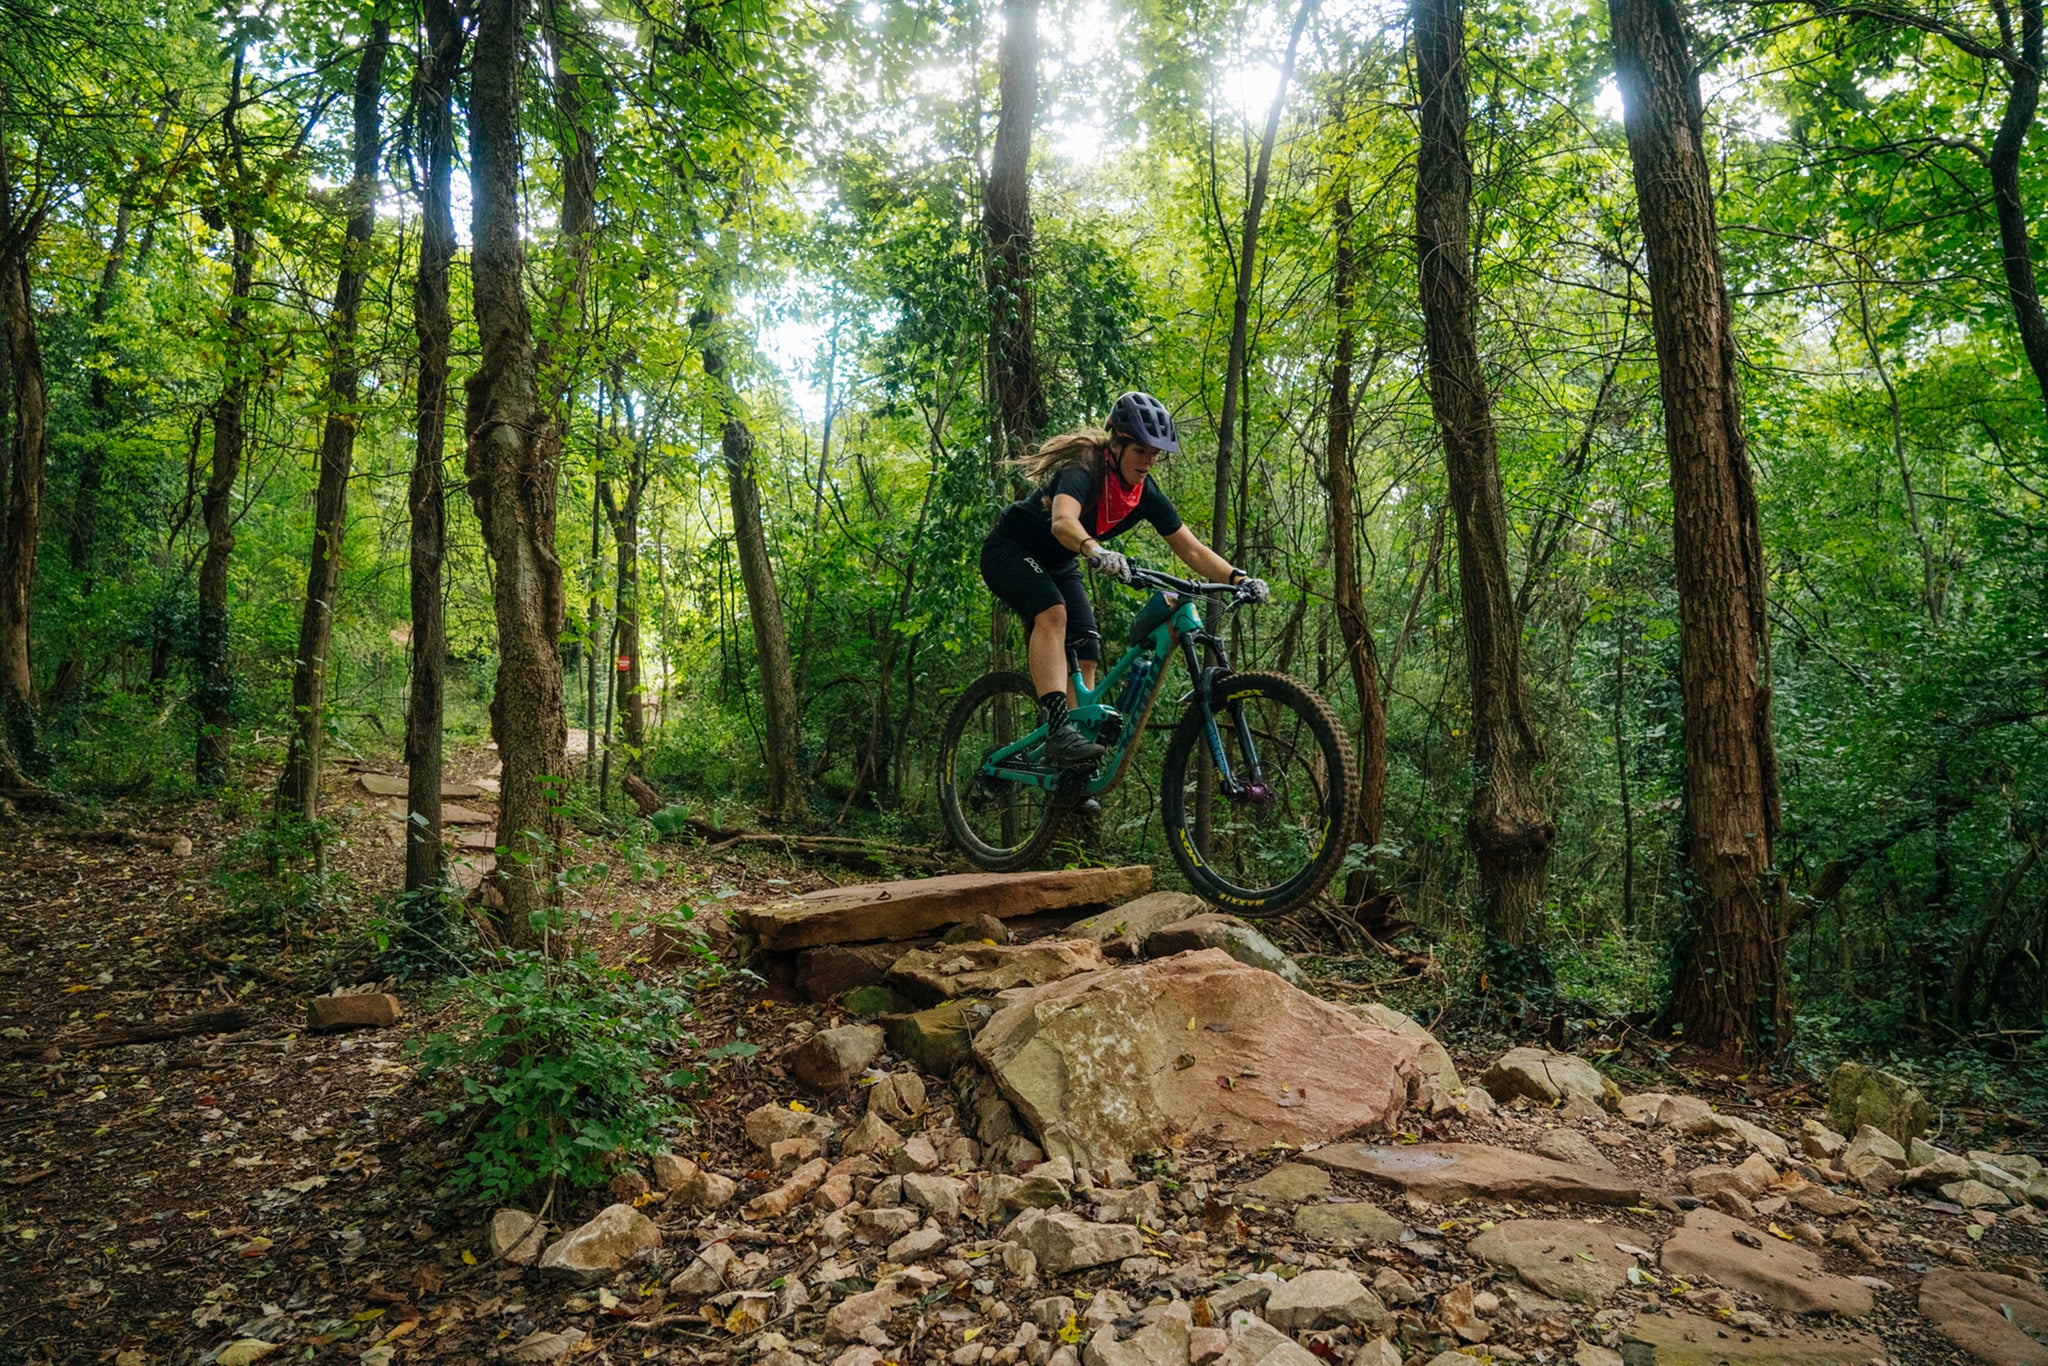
[(1144, 418)]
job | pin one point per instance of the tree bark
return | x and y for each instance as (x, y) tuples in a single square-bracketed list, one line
[(216, 689), (624, 515), (24, 518), (28, 405), (299, 790), (1509, 826), (425, 497), (559, 347), (1006, 224), (764, 602), (1361, 652), (1731, 990), (1241, 303), (2022, 100), (513, 465)]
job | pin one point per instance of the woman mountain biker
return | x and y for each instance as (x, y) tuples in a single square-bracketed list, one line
[(1089, 486)]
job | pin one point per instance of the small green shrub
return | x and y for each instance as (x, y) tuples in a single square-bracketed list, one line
[(563, 1062), (424, 934), (268, 873)]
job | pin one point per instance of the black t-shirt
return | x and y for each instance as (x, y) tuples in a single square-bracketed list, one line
[(1027, 523)]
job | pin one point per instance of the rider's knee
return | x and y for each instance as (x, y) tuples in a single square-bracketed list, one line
[(1050, 620)]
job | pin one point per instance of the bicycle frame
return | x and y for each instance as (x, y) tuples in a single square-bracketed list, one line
[(1134, 681)]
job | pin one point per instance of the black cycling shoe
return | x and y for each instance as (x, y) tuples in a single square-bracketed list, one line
[(1067, 747)]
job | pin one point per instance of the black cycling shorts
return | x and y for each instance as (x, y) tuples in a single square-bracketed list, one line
[(1028, 588)]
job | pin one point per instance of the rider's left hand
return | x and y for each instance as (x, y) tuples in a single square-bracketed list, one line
[(1253, 590)]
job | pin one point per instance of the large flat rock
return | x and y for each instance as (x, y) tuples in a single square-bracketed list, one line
[(919, 906), (394, 785), (946, 971), (1785, 1275), (1561, 1257), (1999, 1319), (1197, 1047), (1452, 1171), (1694, 1340)]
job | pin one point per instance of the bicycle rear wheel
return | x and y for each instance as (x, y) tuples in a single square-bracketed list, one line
[(1274, 846), (1000, 825)]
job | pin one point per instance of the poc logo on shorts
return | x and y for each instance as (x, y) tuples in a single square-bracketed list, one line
[(1036, 567)]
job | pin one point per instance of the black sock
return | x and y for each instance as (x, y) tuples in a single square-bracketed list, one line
[(1054, 707)]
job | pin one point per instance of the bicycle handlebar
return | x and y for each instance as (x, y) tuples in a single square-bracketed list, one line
[(1152, 578)]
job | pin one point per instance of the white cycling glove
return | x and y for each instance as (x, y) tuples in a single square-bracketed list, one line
[(1110, 564), (1254, 590)]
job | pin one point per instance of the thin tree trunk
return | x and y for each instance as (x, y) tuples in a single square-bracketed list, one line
[(1509, 826), (764, 602), (1241, 304), (513, 466), (560, 345), (1006, 223), (216, 690), (425, 496), (2022, 100), (1731, 989), (1931, 590), (625, 519), (299, 791), (1361, 651), (803, 634), (593, 609)]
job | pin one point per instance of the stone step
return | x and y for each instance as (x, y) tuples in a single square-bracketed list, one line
[(920, 906), (393, 785)]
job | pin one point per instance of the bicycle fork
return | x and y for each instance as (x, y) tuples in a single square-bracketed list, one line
[(1206, 678)]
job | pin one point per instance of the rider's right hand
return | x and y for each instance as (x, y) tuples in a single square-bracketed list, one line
[(1110, 564)]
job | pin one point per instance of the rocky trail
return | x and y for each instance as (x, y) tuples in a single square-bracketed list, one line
[(1058, 1121)]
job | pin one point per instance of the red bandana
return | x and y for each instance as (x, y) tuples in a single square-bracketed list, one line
[(1117, 501)]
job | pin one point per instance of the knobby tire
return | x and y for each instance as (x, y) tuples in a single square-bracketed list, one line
[(1044, 825), (1338, 798)]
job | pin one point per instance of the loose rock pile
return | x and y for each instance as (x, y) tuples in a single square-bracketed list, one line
[(1081, 1171)]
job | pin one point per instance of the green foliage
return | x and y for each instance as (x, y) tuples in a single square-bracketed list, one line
[(269, 876), (424, 934), (559, 1065)]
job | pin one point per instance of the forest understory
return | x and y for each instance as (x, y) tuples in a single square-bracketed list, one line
[(248, 1181)]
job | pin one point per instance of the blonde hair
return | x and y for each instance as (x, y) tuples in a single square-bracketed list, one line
[(1057, 453)]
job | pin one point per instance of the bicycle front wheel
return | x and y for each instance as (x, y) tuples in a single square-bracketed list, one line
[(1000, 824), (1278, 838)]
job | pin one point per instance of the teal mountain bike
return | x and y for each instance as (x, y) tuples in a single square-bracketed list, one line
[(1258, 789)]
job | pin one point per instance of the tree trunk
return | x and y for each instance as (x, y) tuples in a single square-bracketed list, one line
[(558, 351), (1508, 826), (2022, 99), (513, 465), (764, 602), (216, 690), (299, 791), (426, 500), (1006, 223), (625, 519), (28, 444), (1241, 304), (24, 516), (1731, 990), (1361, 652)]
